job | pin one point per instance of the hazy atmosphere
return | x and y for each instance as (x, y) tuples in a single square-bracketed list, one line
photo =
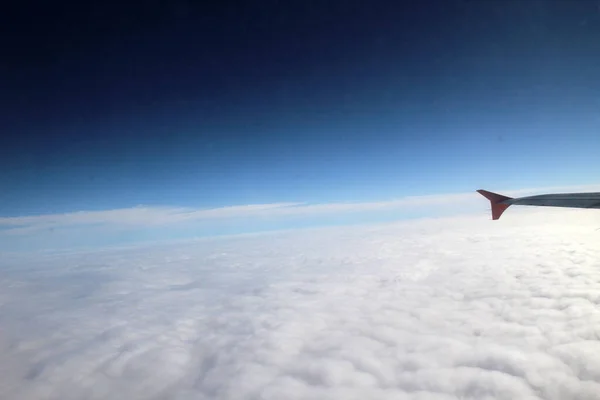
[(277, 200)]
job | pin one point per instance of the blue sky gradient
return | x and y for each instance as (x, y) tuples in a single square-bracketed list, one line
[(344, 102)]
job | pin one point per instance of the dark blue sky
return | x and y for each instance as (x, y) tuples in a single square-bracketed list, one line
[(173, 103)]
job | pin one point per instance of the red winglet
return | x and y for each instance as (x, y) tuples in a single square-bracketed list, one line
[(496, 200)]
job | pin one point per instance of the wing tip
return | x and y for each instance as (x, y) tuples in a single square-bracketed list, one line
[(496, 202)]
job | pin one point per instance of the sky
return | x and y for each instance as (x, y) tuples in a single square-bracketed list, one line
[(186, 106), (435, 309)]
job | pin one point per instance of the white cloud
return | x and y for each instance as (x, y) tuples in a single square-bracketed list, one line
[(454, 308), (143, 216), (136, 216)]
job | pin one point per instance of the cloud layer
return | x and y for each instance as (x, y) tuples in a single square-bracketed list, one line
[(145, 217), (454, 308)]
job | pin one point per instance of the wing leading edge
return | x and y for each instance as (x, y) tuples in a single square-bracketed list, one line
[(500, 203)]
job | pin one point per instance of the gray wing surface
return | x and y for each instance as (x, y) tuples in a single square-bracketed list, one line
[(572, 200), (500, 203)]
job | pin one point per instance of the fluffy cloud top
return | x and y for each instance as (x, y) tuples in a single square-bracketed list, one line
[(454, 308)]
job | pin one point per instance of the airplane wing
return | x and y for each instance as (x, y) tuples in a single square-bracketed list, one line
[(572, 200)]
